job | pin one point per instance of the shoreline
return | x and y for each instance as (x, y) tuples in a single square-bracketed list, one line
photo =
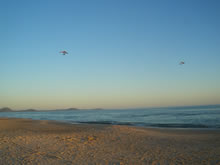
[(27, 141), (126, 125)]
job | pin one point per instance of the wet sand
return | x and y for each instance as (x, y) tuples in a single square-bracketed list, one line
[(24, 141)]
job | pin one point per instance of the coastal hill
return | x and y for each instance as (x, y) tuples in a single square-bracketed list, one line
[(70, 109), (98, 109), (28, 110), (6, 109)]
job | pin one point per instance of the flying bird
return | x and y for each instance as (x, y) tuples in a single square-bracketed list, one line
[(182, 62), (63, 52)]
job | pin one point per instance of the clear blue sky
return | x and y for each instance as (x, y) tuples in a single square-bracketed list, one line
[(122, 53)]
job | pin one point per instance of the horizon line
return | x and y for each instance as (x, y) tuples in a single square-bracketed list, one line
[(153, 107)]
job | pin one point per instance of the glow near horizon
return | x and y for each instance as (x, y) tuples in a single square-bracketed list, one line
[(122, 54)]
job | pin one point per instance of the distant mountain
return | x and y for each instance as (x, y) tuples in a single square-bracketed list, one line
[(28, 110), (67, 109), (98, 109), (70, 109), (6, 109)]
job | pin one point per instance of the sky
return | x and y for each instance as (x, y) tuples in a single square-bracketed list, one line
[(122, 53)]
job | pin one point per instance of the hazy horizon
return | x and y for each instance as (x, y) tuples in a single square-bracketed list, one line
[(121, 54), (138, 108)]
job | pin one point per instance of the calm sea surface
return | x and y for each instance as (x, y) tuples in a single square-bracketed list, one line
[(173, 117)]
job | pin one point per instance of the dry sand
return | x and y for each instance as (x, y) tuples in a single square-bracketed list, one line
[(24, 141)]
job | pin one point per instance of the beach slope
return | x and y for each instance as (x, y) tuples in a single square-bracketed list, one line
[(25, 141)]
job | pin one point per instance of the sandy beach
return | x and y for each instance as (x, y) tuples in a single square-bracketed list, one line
[(25, 141)]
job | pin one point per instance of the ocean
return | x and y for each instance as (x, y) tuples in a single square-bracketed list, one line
[(169, 117)]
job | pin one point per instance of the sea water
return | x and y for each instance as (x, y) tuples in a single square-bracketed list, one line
[(170, 117)]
